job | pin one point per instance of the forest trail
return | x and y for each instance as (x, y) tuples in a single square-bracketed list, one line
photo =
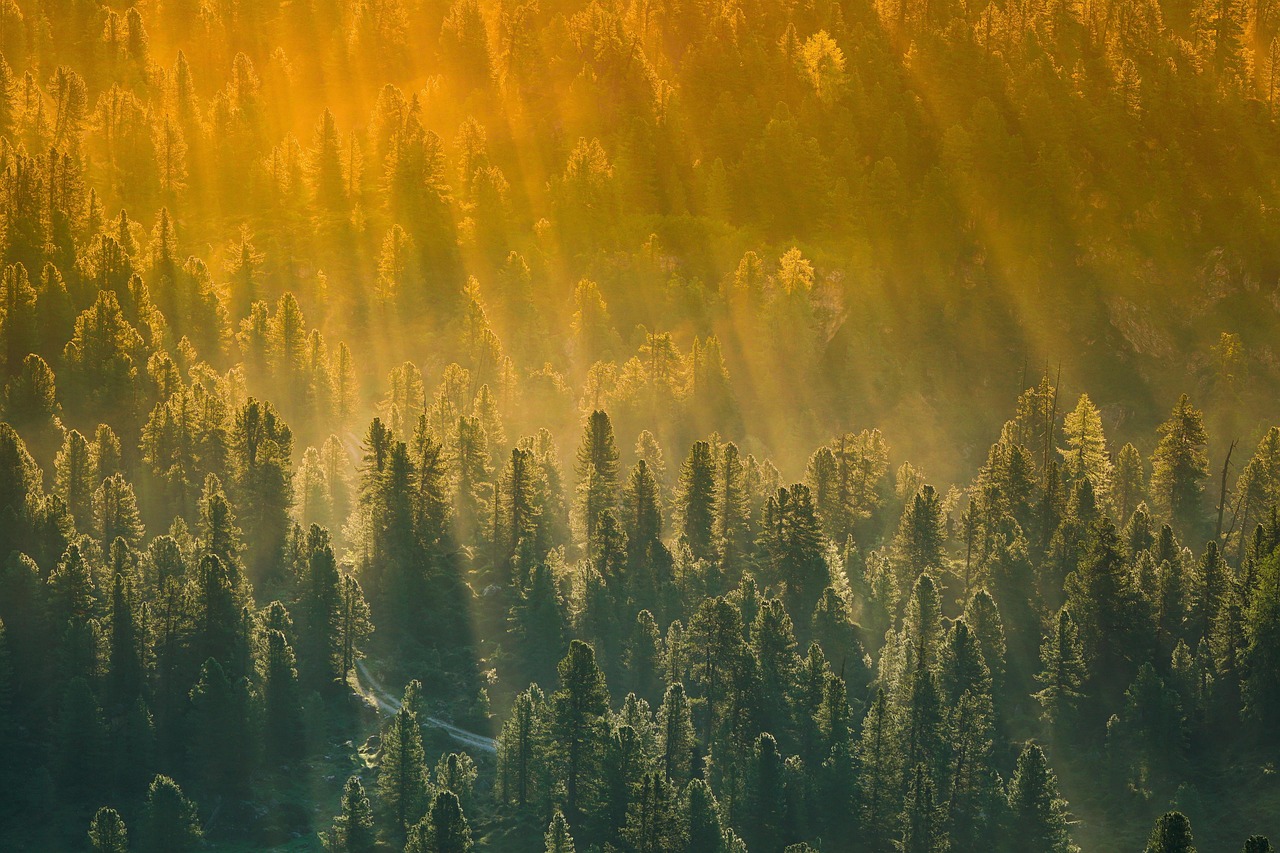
[(389, 704)]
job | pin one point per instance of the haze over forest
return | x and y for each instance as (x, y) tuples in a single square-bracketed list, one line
[(633, 426)]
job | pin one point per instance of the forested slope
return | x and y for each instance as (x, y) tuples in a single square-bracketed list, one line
[(687, 395)]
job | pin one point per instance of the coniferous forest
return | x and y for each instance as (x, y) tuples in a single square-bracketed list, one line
[(640, 426)]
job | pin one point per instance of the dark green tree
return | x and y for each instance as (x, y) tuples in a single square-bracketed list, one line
[(402, 772), (353, 830), (577, 727), (443, 830), (597, 470), (170, 823), (282, 724), (697, 501), (1179, 467), (1038, 814), (675, 734), (1172, 834), (107, 833)]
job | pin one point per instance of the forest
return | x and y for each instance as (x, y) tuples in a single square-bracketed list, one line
[(639, 426)]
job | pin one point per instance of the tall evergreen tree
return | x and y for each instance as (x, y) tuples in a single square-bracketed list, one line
[(1063, 673), (108, 833), (262, 446), (283, 705), (577, 719), (402, 771), (1172, 834), (443, 830), (1038, 814), (1179, 467), (353, 829), (697, 501), (558, 839), (170, 823), (597, 470)]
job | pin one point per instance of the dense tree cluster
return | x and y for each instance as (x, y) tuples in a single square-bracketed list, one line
[(541, 336), (851, 661), (618, 202)]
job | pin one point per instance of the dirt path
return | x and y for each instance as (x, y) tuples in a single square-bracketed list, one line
[(389, 704)]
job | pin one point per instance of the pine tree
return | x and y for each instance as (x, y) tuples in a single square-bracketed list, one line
[(518, 511), (879, 779), (597, 470), (676, 739), (456, 772), (765, 803), (1107, 608), (1172, 834), (1063, 674), (518, 747), (107, 833), (219, 598), (697, 501), (1038, 815), (833, 630), (283, 711), (1179, 467), (1129, 485), (471, 476), (703, 829), (355, 624), (921, 830), (126, 669), (652, 819), (321, 636), (170, 823), (262, 446), (558, 839), (733, 513), (402, 771), (74, 467), (576, 726), (778, 665), (443, 830), (220, 731), (918, 544), (792, 541), (115, 512), (353, 830)]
